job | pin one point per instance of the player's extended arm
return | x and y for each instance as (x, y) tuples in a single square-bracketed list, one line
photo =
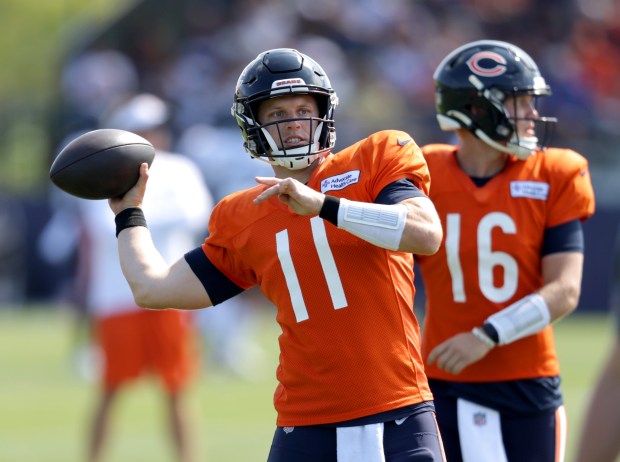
[(557, 298), (410, 226), (153, 282)]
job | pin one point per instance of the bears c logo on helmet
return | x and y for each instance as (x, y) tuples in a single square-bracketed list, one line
[(476, 66)]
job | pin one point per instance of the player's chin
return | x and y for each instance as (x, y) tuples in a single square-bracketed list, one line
[(296, 145)]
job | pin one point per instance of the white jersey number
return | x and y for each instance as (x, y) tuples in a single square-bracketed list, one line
[(332, 277), (487, 258)]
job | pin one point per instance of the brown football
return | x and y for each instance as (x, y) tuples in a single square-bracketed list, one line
[(101, 164)]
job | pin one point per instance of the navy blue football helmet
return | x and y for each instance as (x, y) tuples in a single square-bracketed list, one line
[(472, 84), (275, 73)]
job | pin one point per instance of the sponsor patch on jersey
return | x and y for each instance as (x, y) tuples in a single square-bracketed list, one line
[(530, 189), (335, 183)]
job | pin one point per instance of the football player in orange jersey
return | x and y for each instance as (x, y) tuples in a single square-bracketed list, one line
[(329, 239), (510, 263)]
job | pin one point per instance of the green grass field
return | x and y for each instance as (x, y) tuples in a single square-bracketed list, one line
[(44, 404)]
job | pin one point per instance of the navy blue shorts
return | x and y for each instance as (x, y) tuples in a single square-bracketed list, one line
[(415, 439), (526, 438)]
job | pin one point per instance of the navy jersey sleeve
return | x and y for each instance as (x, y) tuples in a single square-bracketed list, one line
[(398, 191), (567, 237), (217, 285)]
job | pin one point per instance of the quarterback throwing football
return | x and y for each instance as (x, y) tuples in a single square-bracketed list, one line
[(329, 239)]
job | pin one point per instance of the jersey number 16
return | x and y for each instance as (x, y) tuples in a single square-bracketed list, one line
[(487, 258)]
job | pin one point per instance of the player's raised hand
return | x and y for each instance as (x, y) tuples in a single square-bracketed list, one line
[(300, 198), (133, 197)]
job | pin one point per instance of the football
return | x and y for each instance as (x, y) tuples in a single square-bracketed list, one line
[(101, 164)]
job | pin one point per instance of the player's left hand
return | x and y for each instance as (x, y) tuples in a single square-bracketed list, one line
[(458, 352), (300, 198)]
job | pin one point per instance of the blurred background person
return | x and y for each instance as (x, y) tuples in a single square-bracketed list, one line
[(132, 341), (230, 331), (598, 438)]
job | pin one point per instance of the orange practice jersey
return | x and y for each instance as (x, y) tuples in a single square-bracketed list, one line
[(491, 252), (350, 341)]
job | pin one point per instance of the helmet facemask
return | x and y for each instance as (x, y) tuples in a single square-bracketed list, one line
[(524, 146), (297, 157)]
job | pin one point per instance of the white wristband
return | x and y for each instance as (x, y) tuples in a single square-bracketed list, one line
[(524, 317), (379, 224)]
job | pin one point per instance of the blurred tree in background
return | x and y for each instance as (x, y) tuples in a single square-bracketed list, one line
[(34, 34)]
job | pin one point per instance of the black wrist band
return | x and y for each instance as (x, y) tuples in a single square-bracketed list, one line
[(491, 332), (129, 217), (329, 210)]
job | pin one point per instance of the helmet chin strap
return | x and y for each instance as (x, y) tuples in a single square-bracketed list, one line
[(521, 148), (295, 158)]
